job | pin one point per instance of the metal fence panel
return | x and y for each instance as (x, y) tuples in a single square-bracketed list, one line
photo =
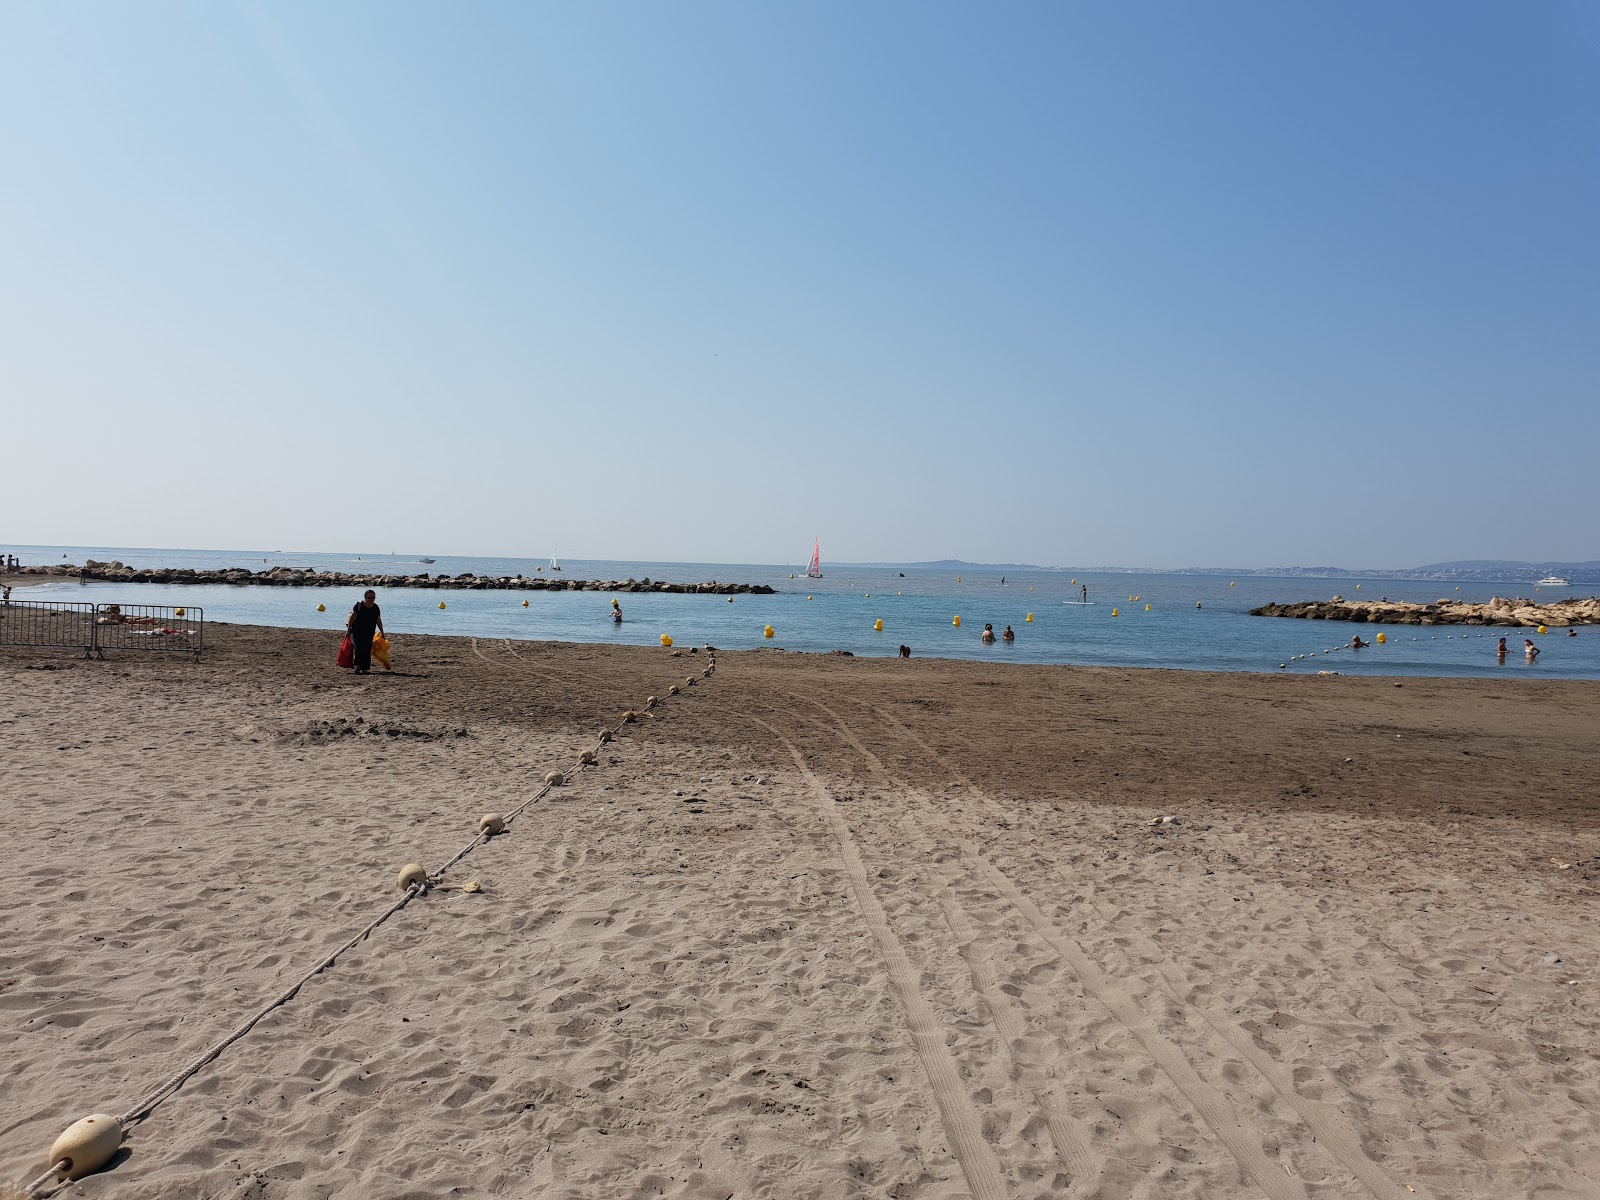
[(47, 623), (163, 627)]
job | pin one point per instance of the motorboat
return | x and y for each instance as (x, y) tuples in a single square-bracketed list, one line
[(1554, 581)]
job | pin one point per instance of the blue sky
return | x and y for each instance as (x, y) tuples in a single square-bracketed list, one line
[(1155, 284)]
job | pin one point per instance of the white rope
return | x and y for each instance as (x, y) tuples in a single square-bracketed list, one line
[(148, 1103), (50, 1177), (142, 1109)]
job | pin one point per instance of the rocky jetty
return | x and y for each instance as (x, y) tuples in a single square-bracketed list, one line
[(1499, 611), (117, 572)]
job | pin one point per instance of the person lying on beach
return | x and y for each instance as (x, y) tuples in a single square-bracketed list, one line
[(988, 634), (1530, 649), (1008, 636)]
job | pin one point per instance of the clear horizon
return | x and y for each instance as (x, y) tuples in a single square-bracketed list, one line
[(1232, 283), (1191, 568)]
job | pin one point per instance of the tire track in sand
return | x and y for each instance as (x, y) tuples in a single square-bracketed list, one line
[(1069, 1136), (1332, 1130), (1224, 1122), (961, 1127)]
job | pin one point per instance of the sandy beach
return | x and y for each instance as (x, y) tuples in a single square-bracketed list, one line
[(817, 926)]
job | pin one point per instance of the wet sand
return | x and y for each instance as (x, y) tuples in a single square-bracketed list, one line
[(818, 926)]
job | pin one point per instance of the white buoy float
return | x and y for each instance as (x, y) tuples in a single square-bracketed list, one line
[(588, 758), (555, 778), (413, 875), (491, 823), (86, 1145)]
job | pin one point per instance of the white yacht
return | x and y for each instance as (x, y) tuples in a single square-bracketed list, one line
[(1554, 581)]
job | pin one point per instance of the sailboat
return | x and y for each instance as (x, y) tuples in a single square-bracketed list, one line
[(814, 571), (554, 566)]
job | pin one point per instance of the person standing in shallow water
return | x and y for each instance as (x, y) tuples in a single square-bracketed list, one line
[(365, 619)]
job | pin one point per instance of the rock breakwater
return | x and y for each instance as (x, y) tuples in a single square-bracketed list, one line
[(117, 572), (1499, 611)]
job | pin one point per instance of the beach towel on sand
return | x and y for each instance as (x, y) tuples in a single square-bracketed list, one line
[(347, 653), (380, 650)]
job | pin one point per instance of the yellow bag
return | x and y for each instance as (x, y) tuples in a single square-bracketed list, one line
[(380, 650)]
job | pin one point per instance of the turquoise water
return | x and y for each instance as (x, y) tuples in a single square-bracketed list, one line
[(837, 613)]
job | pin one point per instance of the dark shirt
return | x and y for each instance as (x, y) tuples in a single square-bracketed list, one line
[(364, 620)]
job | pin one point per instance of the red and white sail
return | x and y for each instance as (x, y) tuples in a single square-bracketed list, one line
[(815, 570)]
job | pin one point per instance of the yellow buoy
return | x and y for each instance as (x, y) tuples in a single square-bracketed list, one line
[(1147, 608), (730, 599), (1074, 581), (791, 574), (1115, 613), (666, 639), (87, 1145), (412, 875), (878, 625), (1030, 587), (322, 608), (1131, 599), (869, 595), (1197, 604), (1230, 583), (957, 621), (177, 612), (808, 597), (1358, 588), (958, 579), (1543, 629), (441, 604), (767, 632), (1381, 638), (1029, 617), (1358, 585), (491, 823)]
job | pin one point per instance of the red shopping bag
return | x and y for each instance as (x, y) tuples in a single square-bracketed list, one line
[(347, 653)]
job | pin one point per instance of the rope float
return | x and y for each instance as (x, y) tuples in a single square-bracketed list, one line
[(93, 1141)]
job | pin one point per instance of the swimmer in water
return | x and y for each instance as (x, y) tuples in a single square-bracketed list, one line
[(1008, 636), (616, 612), (988, 634)]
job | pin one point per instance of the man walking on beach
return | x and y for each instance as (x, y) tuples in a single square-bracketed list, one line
[(365, 619)]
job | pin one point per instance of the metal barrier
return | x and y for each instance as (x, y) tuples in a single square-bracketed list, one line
[(48, 623), (163, 627)]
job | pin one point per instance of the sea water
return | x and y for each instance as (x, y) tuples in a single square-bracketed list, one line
[(1194, 622)]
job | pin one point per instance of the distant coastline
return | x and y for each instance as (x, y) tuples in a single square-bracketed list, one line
[(1465, 571)]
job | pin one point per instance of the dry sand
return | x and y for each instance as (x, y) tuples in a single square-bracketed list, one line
[(819, 927)]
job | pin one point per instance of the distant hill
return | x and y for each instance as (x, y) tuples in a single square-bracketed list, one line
[(1478, 570), (954, 564)]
